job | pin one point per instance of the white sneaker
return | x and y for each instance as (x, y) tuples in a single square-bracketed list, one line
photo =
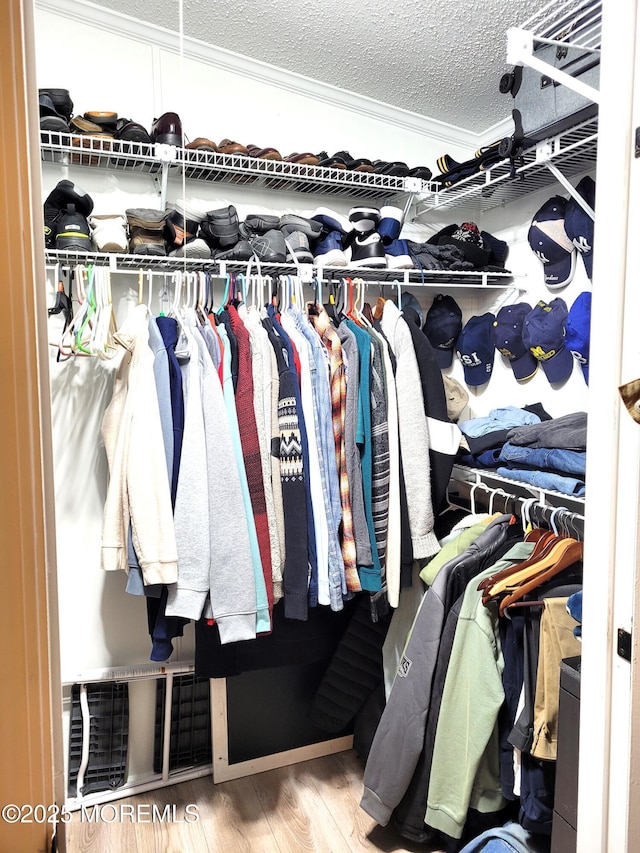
[(109, 232)]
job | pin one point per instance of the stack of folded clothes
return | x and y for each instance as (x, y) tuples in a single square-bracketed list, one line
[(550, 455), (529, 446), (459, 248)]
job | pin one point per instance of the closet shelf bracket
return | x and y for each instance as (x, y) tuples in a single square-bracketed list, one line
[(167, 155), (520, 52), (544, 154)]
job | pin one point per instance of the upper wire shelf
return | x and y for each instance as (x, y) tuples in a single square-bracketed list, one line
[(575, 23), (574, 151), (117, 154), (164, 264)]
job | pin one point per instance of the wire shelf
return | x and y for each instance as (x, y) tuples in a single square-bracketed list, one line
[(575, 23), (122, 263), (116, 154), (574, 152)]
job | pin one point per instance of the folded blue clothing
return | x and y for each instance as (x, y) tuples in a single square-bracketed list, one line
[(545, 480), (506, 417), (487, 459), (553, 459)]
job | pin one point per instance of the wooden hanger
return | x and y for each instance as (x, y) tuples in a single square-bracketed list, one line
[(572, 553), (531, 569), (542, 545)]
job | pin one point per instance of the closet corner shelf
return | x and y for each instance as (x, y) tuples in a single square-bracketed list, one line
[(135, 263), (574, 151), (119, 155), (496, 482)]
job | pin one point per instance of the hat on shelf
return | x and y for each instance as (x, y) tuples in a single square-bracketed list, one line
[(468, 239), (442, 327), (507, 336), (544, 334), (475, 349), (579, 225), (577, 333), (549, 241)]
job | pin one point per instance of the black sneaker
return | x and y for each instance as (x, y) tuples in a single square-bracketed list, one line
[(270, 247), (255, 224), (367, 250), (242, 251), (63, 194), (220, 228), (73, 232)]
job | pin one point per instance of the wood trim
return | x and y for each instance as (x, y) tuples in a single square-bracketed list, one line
[(27, 732), (223, 771)]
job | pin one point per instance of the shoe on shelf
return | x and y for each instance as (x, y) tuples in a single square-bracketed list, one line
[(167, 130), (228, 146), (263, 153), (193, 249), (331, 220), (390, 223), (397, 255), (53, 124), (256, 223), (328, 252), (109, 232), (298, 250), (61, 101), (304, 159), (146, 229), (182, 223), (131, 131), (106, 120), (290, 222), (73, 232), (367, 250), (220, 228), (80, 124), (364, 219), (242, 251), (64, 193), (201, 143), (270, 248)]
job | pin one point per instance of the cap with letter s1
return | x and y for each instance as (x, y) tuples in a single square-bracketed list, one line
[(475, 349)]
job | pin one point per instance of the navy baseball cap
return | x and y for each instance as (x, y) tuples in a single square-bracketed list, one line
[(442, 327), (507, 336), (475, 349), (578, 331), (579, 225), (543, 333), (549, 241)]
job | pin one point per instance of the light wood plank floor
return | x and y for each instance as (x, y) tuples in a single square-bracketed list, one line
[(312, 807)]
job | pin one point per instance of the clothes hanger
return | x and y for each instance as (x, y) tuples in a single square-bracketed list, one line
[(524, 572), (573, 553)]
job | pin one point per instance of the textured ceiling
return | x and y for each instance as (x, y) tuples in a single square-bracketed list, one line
[(439, 58)]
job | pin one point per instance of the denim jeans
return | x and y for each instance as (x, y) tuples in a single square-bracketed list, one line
[(545, 480), (544, 459)]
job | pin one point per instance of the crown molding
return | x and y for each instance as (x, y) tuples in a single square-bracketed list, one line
[(85, 12)]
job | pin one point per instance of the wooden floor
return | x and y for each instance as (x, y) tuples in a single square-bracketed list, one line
[(311, 807)]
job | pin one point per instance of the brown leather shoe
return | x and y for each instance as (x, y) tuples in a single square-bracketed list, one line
[(305, 159), (201, 143), (263, 153), (227, 146)]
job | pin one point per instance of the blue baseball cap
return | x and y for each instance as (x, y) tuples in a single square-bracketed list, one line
[(579, 225), (578, 331), (543, 332), (507, 336), (549, 241), (442, 326), (475, 349)]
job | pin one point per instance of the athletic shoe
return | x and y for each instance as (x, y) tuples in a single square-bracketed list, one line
[(182, 224), (367, 250), (193, 249), (242, 251), (220, 228), (390, 223), (364, 219), (270, 247), (397, 255), (73, 232), (290, 222), (146, 227), (328, 252), (298, 243), (331, 220), (109, 232), (256, 223), (63, 194)]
